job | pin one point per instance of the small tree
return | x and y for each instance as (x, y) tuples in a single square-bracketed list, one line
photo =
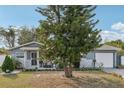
[(8, 65)]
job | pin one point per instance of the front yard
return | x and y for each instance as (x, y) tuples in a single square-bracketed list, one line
[(53, 79)]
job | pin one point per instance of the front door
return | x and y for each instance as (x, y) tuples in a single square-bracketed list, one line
[(34, 58)]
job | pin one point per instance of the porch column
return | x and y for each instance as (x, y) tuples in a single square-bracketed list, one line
[(25, 57), (38, 59)]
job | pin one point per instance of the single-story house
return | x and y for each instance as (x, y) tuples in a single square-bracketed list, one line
[(105, 55), (28, 55)]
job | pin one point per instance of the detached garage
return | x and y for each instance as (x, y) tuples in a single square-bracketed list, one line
[(106, 55)]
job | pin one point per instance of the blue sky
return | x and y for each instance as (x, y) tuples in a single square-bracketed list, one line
[(19, 16), (111, 19), (108, 15)]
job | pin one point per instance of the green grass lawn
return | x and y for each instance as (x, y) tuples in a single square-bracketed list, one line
[(19, 80), (55, 79)]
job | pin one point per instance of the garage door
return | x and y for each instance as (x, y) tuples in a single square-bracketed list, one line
[(105, 58)]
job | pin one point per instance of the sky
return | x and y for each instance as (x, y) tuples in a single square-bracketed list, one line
[(19, 16), (111, 19)]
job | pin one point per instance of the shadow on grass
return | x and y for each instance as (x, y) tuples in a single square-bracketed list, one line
[(90, 82), (79, 81), (11, 76), (86, 82)]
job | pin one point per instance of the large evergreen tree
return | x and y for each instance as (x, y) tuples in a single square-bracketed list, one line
[(67, 33)]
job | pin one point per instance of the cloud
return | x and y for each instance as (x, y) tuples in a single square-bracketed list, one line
[(111, 35), (118, 26), (117, 32)]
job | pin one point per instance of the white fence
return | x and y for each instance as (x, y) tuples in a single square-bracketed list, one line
[(2, 57), (89, 63)]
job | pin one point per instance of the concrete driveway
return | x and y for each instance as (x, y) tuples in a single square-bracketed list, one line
[(114, 70)]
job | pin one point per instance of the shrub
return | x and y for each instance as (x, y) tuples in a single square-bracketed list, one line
[(7, 65), (17, 63)]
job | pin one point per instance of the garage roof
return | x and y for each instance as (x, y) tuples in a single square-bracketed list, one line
[(108, 47)]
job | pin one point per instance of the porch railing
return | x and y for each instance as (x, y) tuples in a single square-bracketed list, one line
[(46, 65)]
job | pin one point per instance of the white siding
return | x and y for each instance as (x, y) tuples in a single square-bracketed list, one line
[(90, 55), (2, 57), (105, 58), (88, 63), (85, 63)]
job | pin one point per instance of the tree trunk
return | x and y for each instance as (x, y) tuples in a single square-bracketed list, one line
[(68, 71)]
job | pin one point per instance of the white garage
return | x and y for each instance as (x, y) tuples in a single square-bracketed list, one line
[(106, 55)]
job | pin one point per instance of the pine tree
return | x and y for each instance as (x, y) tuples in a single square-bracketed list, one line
[(68, 32)]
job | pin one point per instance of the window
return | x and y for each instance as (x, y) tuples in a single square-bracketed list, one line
[(19, 55), (33, 62), (34, 55), (34, 58)]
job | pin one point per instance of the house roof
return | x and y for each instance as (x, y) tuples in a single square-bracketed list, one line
[(33, 42), (108, 47)]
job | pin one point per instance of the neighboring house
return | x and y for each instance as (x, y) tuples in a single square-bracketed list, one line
[(28, 55), (105, 55)]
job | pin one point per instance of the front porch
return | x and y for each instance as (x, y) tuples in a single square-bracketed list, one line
[(32, 60)]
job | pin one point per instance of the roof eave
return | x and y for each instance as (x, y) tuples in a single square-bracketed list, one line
[(24, 45)]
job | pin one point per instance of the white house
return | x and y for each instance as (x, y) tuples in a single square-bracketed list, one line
[(28, 55), (105, 55)]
